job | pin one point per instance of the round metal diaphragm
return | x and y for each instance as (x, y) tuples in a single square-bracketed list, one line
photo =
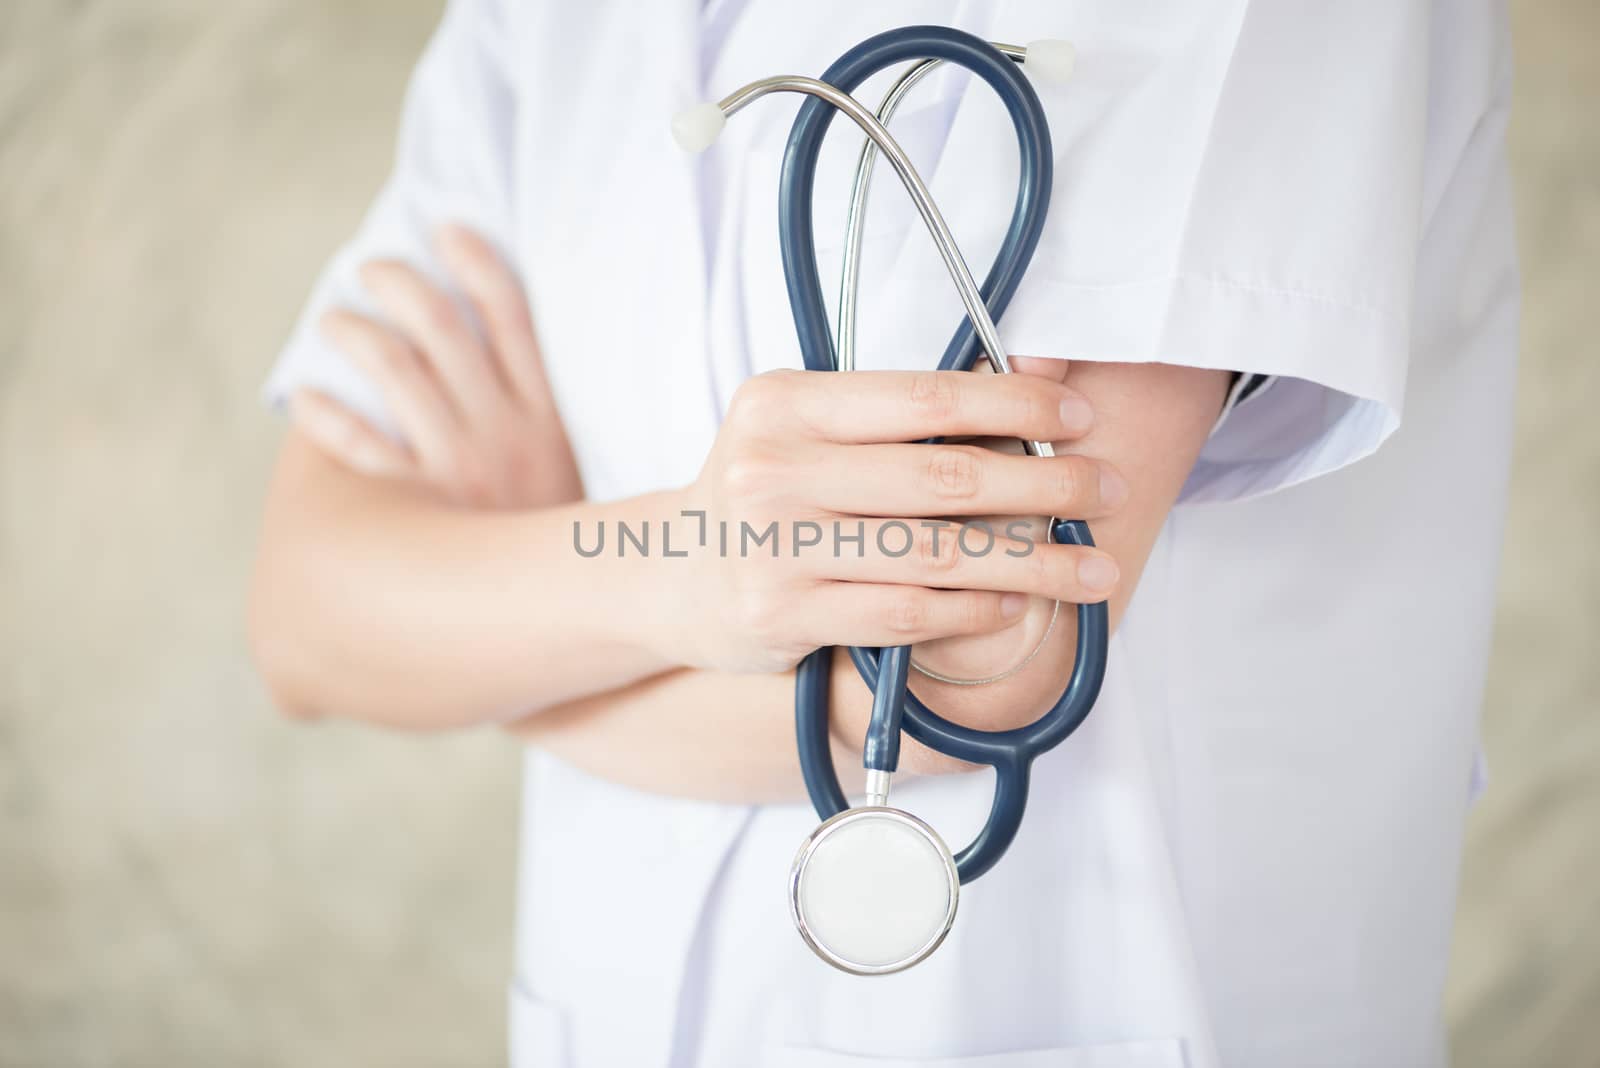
[(873, 890)]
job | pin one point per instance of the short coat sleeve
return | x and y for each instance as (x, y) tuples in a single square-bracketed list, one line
[(1238, 186), (453, 163)]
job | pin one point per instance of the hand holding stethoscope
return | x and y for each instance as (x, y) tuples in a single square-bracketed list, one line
[(834, 452), (874, 890)]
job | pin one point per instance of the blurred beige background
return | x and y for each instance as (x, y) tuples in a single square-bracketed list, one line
[(185, 880)]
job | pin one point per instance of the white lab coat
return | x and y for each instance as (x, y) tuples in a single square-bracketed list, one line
[(1248, 855)]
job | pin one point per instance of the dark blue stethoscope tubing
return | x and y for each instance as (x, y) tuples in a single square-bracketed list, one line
[(798, 243), (1000, 748), (1010, 752)]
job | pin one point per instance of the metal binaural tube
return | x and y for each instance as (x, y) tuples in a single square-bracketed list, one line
[(860, 187), (1009, 752), (943, 239), (850, 291)]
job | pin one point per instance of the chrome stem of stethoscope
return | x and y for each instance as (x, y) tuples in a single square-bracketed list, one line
[(878, 787), (874, 890), (861, 185), (697, 128)]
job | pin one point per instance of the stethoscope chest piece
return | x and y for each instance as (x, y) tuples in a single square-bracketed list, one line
[(873, 890)]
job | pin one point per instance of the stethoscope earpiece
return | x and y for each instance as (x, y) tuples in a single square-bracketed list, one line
[(1051, 61), (874, 889)]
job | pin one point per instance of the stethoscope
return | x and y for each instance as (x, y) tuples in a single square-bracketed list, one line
[(874, 889)]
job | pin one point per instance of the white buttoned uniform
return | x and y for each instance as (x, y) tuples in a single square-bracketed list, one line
[(1248, 854)]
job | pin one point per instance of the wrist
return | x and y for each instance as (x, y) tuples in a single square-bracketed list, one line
[(628, 565), (589, 584)]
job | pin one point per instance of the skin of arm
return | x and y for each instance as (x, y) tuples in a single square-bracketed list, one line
[(374, 600), (433, 580), (731, 738), (412, 585)]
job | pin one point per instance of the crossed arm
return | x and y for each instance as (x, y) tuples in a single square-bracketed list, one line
[(435, 584), (731, 736)]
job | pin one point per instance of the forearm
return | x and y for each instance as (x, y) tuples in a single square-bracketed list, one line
[(724, 737), (694, 733), (381, 603), (721, 737)]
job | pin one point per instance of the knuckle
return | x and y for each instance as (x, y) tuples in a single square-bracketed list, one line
[(436, 311), (906, 614), (502, 438), (333, 322), (378, 274), (505, 295), (753, 403), (471, 247), (738, 414), (518, 464), (475, 477), (954, 472), (1037, 403), (761, 613), (355, 334), (1069, 483), (1045, 572), (935, 394), (749, 475), (978, 613), (393, 355), (936, 548), (449, 466)]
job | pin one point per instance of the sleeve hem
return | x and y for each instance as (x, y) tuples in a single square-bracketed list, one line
[(1340, 367), (1220, 323)]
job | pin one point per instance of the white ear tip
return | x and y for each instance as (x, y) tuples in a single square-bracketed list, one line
[(1051, 61), (697, 128)]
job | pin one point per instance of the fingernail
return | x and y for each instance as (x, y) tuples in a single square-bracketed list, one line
[(1113, 488), (1076, 415), (1097, 573), (1013, 605)]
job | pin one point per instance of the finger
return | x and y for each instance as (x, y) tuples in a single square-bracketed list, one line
[(406, 384), (1041, 367), (924, 480), (1001, 557), (853, 613), (497, 296), (348, 438), (884, 406), (437, 330)]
